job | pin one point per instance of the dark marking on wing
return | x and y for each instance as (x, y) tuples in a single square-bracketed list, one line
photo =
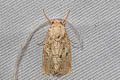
[(67, 54), (60, 56), (61, 23)]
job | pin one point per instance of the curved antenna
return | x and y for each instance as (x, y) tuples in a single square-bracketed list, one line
[(77, 33), (66, 17), (24, 47), (47, 17)]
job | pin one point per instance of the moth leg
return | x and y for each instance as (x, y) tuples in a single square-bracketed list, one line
[(74, 45), (73, 42), (40, 44)]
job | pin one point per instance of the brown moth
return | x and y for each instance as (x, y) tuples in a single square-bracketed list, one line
[(56, 56)]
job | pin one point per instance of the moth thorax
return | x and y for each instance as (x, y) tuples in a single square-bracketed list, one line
[(57, 31)]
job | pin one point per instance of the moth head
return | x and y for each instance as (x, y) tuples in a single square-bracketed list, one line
[(56, 20)]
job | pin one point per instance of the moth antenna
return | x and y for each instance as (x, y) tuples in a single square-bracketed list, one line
[(66, 16), (78, 34), (24, 47), (47, 17)]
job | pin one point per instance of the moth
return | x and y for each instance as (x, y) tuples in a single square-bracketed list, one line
[(56, 55)]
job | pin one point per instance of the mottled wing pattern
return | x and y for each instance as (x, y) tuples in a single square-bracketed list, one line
[(56, 56)]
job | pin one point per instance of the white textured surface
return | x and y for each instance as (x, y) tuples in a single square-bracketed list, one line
[(98, 21)]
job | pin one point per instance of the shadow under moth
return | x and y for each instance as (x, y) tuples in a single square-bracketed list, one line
[(56, 55)]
